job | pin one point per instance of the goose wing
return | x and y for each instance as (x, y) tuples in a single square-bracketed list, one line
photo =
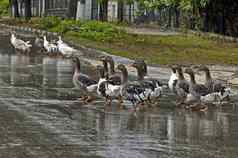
[(115, 79), (183, 85), (218, 86), (85, 80), (202, 89)]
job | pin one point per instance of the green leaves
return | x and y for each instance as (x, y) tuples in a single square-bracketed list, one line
[(183, 4)]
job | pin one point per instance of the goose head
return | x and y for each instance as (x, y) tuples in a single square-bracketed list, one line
[(205, 69), (45, 39), (173, 68), (110, 60), (102, 58), (180, 72), (13, 36), (190, 72), (60, 40)]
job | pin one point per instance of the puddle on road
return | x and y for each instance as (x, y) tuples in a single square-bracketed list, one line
[(40, 116)]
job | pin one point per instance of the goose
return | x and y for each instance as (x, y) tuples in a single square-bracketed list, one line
[(153, 87), (20, 45), (39, 43), (173, 79), (113, 76), (83, 81), (64, 48), (50, 47), (182, 87), (130, 91), (111, 90), (194, 96), (214, 86)]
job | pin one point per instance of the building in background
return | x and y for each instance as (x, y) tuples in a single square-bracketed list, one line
[(87, 10), (83, 9), (122, 12)]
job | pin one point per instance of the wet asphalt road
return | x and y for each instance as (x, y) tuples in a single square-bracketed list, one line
[(41, 117)]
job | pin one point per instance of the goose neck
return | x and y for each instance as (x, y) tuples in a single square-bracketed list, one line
[(208, 75), (124, 77), (140, 74), (192, 78), (112, 67)]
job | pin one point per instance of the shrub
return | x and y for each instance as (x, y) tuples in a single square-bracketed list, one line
[(4, 4), (67, 25), (49, 22), (100, 31)]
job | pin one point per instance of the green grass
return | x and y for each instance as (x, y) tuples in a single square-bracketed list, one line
[(4, 7), (177, 49)]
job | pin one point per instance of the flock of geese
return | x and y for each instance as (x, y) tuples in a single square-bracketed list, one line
[(145, 90), (50, 47), (113, 83)]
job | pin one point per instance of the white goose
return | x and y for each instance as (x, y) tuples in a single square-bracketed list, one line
[(20, 45), (64, 48), (50, 47), (173, 79)]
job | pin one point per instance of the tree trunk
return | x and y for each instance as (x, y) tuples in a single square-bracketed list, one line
[(14, 7), (103, 10), (130, 13), (27, 9), (72, 9), (120, 11), (177, 17), (170, 17)]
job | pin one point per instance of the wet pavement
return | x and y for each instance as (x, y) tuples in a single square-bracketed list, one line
[(40, 116)]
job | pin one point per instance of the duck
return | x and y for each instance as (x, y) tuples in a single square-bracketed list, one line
[(20, 45), (153, 86), (182, 86), (194, 97), (49, 46), (113, 76), (214, 86), (83, 81), (173, 79), (64, 48), (130, 91)]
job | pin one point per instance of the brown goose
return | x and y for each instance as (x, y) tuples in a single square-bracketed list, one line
[(83, 81), (182, 86), (210, 83), (195, 93), (153, 86), (130, 91), (114, 77)]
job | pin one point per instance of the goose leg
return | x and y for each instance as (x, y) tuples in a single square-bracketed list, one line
[(89, 99), (82, 98), (108, 101), (120, 102)]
